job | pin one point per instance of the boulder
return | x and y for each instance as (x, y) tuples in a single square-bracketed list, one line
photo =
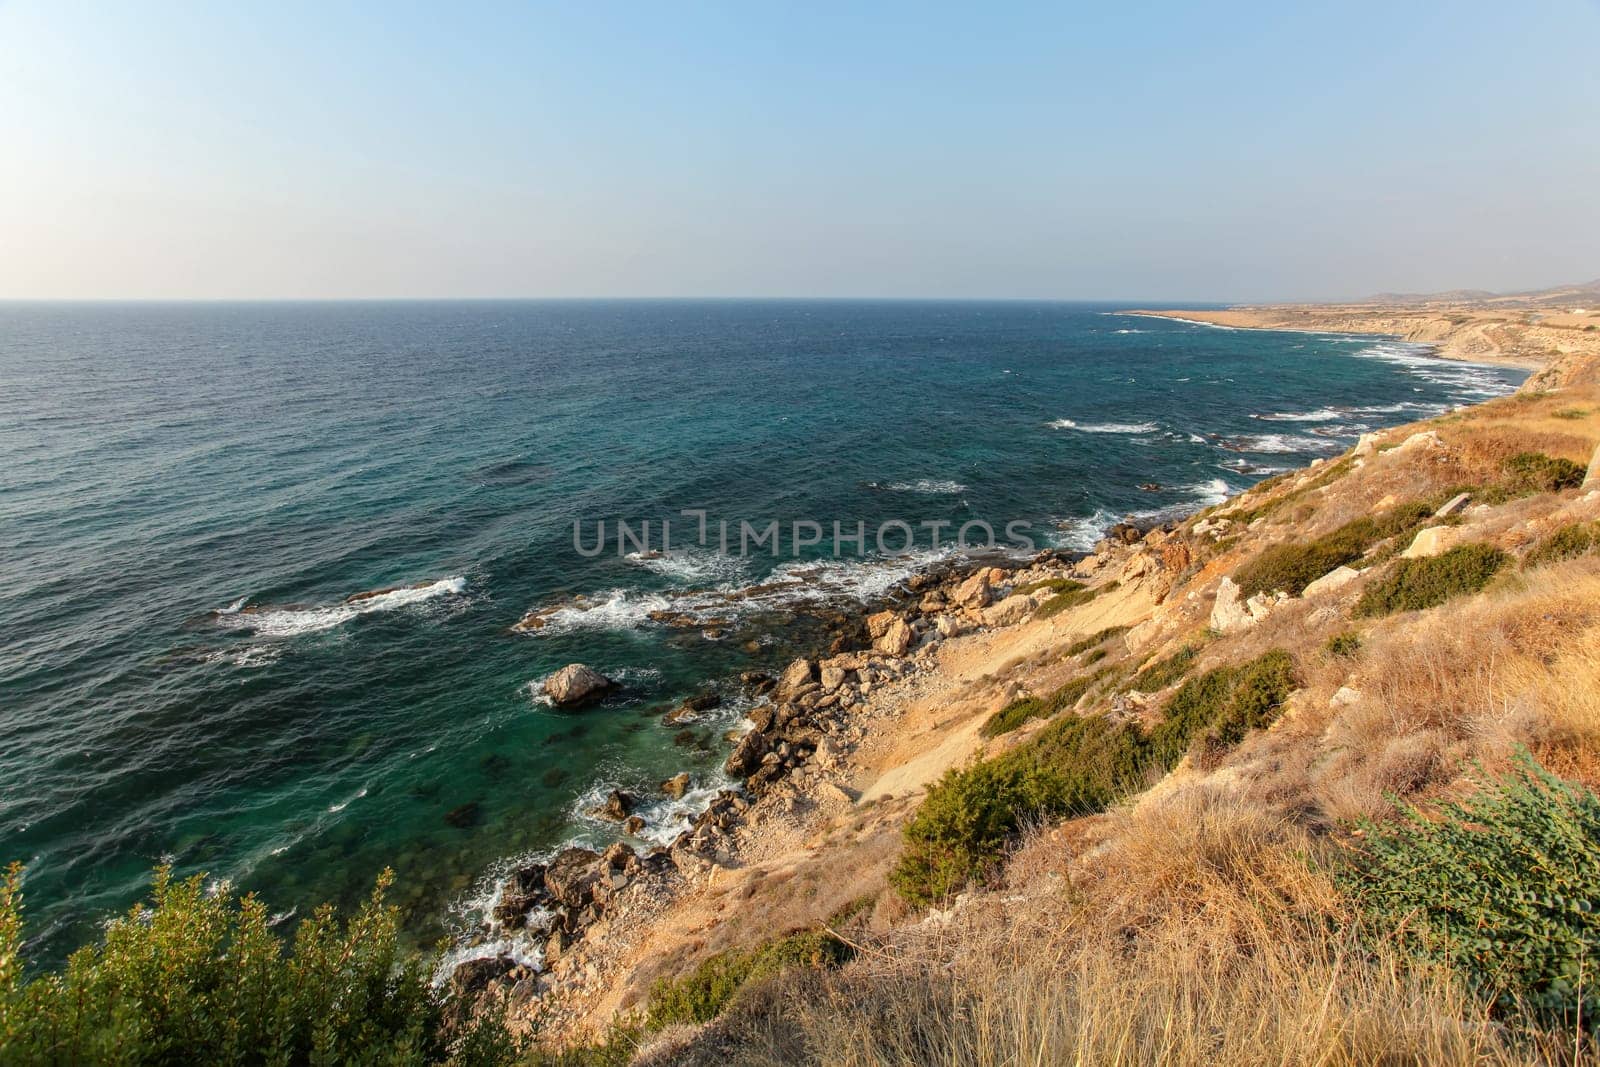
[(1591, 478), (747, 754), (1230, 614), (1426, 441), (575, 684), (472, 977), (633, 824), (676, 786), (948, 626), (1013, 609), (1433, 541), (974, 592), (1337, 578), (896, 640), (1343, 697), (1367, 444), (1454, 506), (618, 806), (878, 623), (832, 678), (570, 878), (795, 676)]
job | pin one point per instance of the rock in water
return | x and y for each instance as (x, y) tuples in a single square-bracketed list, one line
[(574, 684), (571, 876), (676, 786), (618, 806)]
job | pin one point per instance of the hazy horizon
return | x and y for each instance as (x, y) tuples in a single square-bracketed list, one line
[(1162, 155)]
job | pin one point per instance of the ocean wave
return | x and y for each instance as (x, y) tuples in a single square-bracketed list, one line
[(1104, 427), (1082, 533), (922, 485), (290, 622), (1319, 415), (1468, 380), (1271, 443), (691, 566), (1203, 494), (1245, 466), (788, 586)]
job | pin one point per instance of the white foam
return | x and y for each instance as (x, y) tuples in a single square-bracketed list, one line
[(1197, 322), (923, 485), (1104, 427), (691, 566), (289, 622), (1272, 443), (1320, 415), (1081, 534)]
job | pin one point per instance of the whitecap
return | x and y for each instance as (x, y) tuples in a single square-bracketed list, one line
[(1272, 443), (923, 485), (1319, 415), (289, 622), (1104, 427), (1081, 534)]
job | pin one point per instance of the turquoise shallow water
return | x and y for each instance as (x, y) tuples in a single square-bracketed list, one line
[(190, 492)]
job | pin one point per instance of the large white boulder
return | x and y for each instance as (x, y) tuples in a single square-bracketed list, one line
[(574, 684)]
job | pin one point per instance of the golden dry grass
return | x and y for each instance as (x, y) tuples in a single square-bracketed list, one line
[(1202, 935)]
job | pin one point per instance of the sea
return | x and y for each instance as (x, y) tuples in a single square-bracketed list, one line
[(261, 563)]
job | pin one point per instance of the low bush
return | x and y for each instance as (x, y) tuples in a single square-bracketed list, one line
[(1220, 706), (1535, 472), (1344, 644), (1164, 672), (1415, 584), (1054, 585), (1094, 640), (1569, 542), (1289, 568), (1020, 711), (1503, 887), (1071, 598), (194, 977), (703, 993)]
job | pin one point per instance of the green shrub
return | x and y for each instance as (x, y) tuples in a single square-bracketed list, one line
[(961, 829), (1503, 887), (1076, 765), (1014, 715), (1222, 705), (1163, 673), (1344, 644), (1415, 584), (199, 978), (1570, 413), (1071, 598), (1073, 767), (1093, 640), (1569, 542), (1055, 585), (703, 993), (1289, 568), (1020, 711), (1535, 472)]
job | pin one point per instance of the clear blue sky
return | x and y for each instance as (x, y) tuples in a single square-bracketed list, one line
[(1152, 151)]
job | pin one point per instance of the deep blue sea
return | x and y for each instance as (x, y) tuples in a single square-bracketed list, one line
[(190, 492)]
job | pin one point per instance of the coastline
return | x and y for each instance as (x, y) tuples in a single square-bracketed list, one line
[(838, 753), (1522, 338)]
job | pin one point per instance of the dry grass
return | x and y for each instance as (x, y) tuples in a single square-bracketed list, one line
[(1202, 936)]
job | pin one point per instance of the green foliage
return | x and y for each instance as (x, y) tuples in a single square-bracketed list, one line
[(1504, 888), (1220, 706), (1020, 711), (1569, 542), (703, 993), (199, 978), (1344, 644), (1094, 640), (1570, 413), (1055, 585), (1163, 673), (1071, 598), (1415, 584), (1074, 766), (1535, 472), (1289, 568)]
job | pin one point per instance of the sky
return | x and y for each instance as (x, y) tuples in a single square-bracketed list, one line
[(1154, 151)]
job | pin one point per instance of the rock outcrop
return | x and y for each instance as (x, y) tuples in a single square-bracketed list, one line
[(576, 684)]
